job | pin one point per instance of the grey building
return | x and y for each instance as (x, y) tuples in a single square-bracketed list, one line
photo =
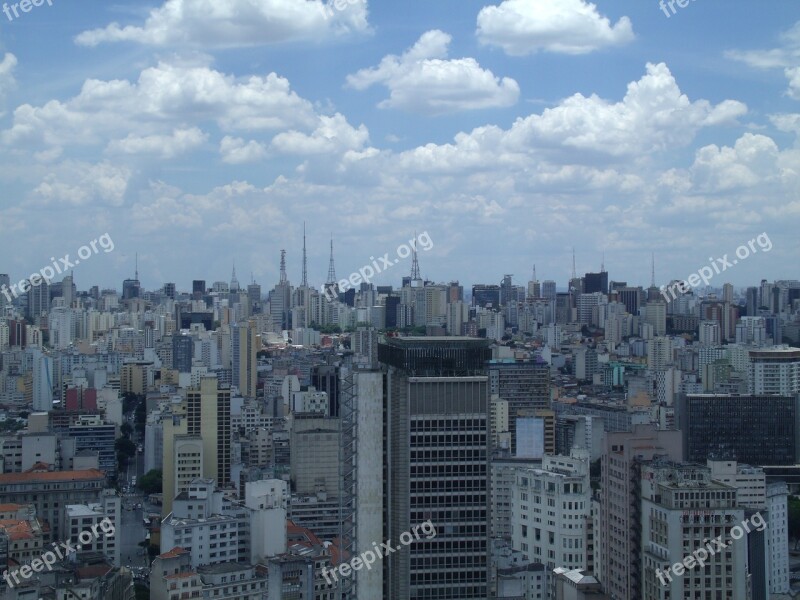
[(182, 351), (525, 384), (437, 465)]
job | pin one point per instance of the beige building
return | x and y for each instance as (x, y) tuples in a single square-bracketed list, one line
[(617, 547), (207, 422)]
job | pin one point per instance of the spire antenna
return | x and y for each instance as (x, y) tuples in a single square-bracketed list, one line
[(414, 262), (574, 272), (331, 269), (283, 266), (304, 282), (652, 269)]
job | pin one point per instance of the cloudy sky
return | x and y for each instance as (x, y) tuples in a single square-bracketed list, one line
[(198, 133)]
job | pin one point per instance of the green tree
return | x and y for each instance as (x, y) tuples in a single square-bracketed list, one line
[(125, 450), (150, 483), (126, 430)]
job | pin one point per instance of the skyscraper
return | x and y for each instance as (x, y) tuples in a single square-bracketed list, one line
[(525, 384), (436, 420), (246, 344), (38, 301), (208, 416)]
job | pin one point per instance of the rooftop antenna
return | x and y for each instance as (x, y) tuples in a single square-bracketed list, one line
[(331, 269), (574, 274), (283, 266), (534, 271), (603, 263), (136, 276), (414, 262), (304, 282), (652, 269)]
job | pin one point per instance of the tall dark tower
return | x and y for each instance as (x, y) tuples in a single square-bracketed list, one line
[(437, 391)]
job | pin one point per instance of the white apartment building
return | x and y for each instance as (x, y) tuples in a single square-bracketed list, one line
[(778, 538), (551, 510), (682, 508)]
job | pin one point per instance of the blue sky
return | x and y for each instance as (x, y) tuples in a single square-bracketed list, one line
[(199, 133)]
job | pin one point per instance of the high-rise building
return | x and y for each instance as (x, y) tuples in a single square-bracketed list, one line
[(595, 282), (169, 290), (198, 289), (5, 285), (524, 384), (549, 289), (562, 539), (755, 429), (485, 294), (679, 503), (246, 344), (38, 301), (437, 399), (775, 370), (752, 301), (182, 352), (208, 416), (631, 297), (619, 543)]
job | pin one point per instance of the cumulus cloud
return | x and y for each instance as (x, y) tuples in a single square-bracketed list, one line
[(83, 184), (163, 146), (654, 116), (333, 135), (139, 114), (424, 80), (236, 151), (523, 27), (234, 23)]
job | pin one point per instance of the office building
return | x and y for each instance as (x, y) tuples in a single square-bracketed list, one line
[(182, 352), (524, 384), (619, 544), (246, 344), (437, 427), (208, 416), (752, 429), (595, 282), (486, 295)]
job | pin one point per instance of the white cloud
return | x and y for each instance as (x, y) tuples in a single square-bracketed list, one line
[(235, 23), (163, 97), (164, 146), (7, 81), (424, 80), (787, 56), (333, 135), (654, 116), (523, 27), (82, 184), (236, 151)]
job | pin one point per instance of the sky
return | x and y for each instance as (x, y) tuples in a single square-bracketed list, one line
[(201, 133)]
